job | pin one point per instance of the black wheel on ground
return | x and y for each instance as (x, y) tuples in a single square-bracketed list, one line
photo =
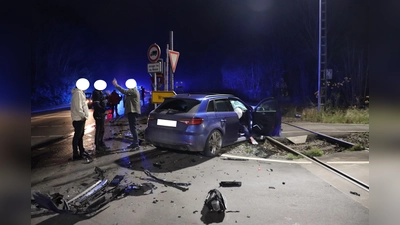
[(213, 144)]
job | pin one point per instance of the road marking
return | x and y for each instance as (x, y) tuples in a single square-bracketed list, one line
[(261, 159), (349, 162), (89, 128), (331, 131)]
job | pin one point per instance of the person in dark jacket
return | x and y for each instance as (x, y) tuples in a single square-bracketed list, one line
[(114, 98), (132, 108), (99, 112)]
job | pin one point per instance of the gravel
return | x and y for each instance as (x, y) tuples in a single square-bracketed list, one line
[(266, 150)]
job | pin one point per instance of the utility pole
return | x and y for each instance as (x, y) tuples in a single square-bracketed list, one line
[(322, 54), (166, 69)]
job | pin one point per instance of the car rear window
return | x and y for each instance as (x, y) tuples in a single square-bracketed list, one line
[(178, 105)]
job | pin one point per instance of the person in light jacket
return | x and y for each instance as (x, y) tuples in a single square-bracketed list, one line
[(132, 108), (79, 115)]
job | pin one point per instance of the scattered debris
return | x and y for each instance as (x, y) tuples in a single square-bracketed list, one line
[(116, 180), (235, 159), (195, 211), (99, 172), (158, 165), (230, 184), (86, 202), (181, 186), (215, 201), (354, 193)]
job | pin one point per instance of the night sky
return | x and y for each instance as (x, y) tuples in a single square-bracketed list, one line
[(114, 35), (125, 29)]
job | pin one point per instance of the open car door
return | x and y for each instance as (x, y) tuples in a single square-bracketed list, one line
[(267, 118)]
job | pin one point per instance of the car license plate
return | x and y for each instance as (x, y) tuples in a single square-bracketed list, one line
[(167, 123)]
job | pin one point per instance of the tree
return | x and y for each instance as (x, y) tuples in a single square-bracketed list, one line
[(60, 57)]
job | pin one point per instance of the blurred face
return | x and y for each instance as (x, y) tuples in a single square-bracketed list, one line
[(100, 85), (130, 83), (82, 84)]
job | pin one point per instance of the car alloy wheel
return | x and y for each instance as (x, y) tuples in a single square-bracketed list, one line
[(214, 143)]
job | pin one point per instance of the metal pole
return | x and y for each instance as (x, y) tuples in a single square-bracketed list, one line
[(155, 86), (172, 48), (319, 57), (166, 69)]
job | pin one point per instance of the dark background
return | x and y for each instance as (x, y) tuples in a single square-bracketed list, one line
[(231, 46)]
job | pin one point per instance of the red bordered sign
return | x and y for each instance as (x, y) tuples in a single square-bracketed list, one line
[(153, 53)]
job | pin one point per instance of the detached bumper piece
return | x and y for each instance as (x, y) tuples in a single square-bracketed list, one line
[(178, 185), (86, 202)]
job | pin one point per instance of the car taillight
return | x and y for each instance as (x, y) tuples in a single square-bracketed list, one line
[(192, 121)]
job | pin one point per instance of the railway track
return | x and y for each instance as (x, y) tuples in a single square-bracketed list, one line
[(319, 162)]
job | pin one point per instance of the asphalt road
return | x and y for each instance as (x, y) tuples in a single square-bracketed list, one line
[(271, 192)]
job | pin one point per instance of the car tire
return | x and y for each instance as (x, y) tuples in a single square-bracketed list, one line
[(213, 144)]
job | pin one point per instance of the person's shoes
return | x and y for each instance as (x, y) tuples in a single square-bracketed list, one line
[(254, 142), (77, 157), (100, 149), (84, 154), (105, 147), (134, 147)]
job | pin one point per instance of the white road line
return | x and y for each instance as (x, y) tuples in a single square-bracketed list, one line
[(331, 131), (349, 162), (261, 159)]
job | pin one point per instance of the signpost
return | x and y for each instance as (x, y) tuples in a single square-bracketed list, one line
[(153, 53), (154, 67), (158, 96), (173, 58)]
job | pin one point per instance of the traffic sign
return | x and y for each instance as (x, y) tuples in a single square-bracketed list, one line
[(158, 96), (153, 53), (154, 67), (173, 58)]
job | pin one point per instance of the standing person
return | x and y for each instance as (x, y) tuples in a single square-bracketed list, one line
[(132, 108), (143, 93), (99, 112), (114, 100), (79, 115)]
